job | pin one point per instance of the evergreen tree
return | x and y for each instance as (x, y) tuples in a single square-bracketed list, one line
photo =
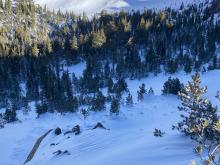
[(74, 43), (198, 111), (1, 4), (172, 86), (115, 106), (141, 92), (10, 115), (41, 108), (120, 86), (129, 100), (34, 50), (2, 121), (85, 113), (110, 85), (98, 39), (26, 108), (98, 102)]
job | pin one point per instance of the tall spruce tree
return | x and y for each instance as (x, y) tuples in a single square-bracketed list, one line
[(198, 111)]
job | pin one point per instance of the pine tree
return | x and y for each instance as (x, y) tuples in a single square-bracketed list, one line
[(10, 115), (115, 106), (41, 108), (48, 46), (74, 43), (8, 5), (85, 113), (172, 86), (1, 4), (2, 121), (110, 85), (34, 49), (98, 102), (141, 92), (98, 38), (129, 100), (26, 108), (198, 111)]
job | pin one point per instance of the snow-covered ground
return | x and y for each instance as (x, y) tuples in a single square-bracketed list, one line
[(130, 139), (88, 6)]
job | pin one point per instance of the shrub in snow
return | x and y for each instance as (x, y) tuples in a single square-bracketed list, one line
[(10, 115), (158, 133), (172, 86), (151, 91), (57, 131), (85, 113)]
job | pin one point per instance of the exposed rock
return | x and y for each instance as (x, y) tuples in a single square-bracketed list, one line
[(68, 132), (57, 131), (76, 130), (66, 152), (99, 125), (58, 152), (52, 144)]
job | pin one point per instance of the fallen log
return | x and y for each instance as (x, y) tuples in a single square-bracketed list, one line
[(36, 146)]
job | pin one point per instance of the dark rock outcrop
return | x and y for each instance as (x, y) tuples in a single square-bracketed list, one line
[(59, 152), (57, 131), (99, 125), (76, 130)]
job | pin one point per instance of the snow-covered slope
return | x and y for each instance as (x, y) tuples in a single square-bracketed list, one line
[(130, 139), (95, 6)]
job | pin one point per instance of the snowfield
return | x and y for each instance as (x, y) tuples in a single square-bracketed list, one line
[(91, 8), (130, 139)]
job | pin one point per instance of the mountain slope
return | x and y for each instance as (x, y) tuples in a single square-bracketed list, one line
[(88, 6), (129, 140)]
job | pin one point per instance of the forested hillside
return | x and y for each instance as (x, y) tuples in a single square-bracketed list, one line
[(36, 44)]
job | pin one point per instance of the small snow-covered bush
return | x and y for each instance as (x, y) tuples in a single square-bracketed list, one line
[(84, 112), (158, 133)]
